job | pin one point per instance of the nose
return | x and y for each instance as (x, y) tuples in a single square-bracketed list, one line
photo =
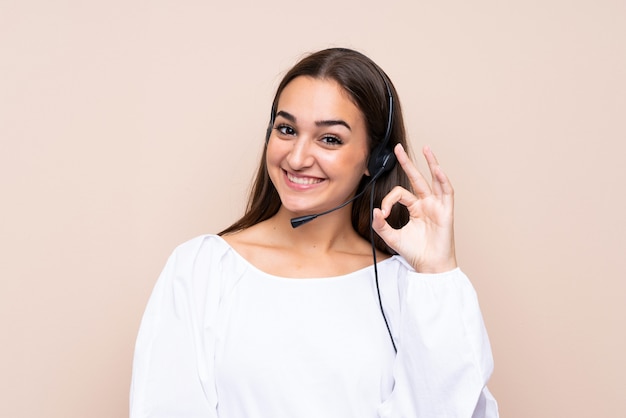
[(300, 155)]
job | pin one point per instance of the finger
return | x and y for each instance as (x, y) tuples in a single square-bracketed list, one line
[(397, 195), (418, 182), (432, 167), (446, 186), (440, 183), (384, 230)]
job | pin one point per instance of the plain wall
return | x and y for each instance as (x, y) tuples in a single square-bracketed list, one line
[(127, 127)]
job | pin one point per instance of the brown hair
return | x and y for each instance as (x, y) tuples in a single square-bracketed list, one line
[(363, 80)]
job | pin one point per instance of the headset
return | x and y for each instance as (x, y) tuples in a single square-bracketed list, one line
[(382, 160)]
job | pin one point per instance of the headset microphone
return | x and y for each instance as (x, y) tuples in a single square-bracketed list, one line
[(382, 159), (385, 165)]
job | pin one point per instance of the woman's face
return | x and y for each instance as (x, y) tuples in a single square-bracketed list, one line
[(317, 152)]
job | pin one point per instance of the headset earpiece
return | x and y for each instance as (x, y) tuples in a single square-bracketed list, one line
[(381, 161), (382, 158)]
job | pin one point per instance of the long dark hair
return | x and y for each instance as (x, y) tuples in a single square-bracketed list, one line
[(363, 80)]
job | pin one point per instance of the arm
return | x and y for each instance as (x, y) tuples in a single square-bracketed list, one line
[(169, 353), (444, 358)]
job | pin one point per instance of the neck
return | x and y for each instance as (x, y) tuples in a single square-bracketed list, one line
[(325, 232)]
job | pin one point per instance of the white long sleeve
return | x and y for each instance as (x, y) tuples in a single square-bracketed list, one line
[(444, 358), (219, 338), (171, 375)]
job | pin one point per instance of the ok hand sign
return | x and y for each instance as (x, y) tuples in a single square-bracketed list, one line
[(427, 240)]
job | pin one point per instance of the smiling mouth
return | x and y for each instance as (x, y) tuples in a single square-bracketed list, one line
[(303, 180)]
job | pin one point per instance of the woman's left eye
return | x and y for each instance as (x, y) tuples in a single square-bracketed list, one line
[(332, 140)]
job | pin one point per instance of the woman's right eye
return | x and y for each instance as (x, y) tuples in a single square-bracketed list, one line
[(285, 130)]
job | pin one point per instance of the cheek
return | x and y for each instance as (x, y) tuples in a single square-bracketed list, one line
[(351, 170), (273, 153), (357, 163), (273, 157)]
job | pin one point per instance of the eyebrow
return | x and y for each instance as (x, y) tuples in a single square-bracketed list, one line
[(331, 122)]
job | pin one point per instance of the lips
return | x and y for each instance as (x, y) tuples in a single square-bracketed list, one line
[(303, 180)]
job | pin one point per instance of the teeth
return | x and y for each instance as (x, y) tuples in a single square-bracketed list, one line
[(303, 180)]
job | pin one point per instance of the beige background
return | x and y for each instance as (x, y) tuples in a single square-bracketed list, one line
[(127, 127)]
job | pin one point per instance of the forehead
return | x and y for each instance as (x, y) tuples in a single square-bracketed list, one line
[(320, 97)]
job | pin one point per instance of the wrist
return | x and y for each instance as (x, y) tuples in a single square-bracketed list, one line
[(437, 268)]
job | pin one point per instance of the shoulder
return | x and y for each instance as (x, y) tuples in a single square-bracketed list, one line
[(203, 264), (198, 245), (253, 235), (253, 242), (198, 254)]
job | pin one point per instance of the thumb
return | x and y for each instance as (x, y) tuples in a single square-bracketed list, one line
[(383, 229)]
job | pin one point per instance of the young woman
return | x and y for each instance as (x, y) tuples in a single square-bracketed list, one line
[(327, 319)]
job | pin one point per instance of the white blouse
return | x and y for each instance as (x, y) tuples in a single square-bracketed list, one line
[(220, 338)]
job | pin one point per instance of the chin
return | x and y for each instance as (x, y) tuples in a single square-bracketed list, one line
[(300, 210)]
